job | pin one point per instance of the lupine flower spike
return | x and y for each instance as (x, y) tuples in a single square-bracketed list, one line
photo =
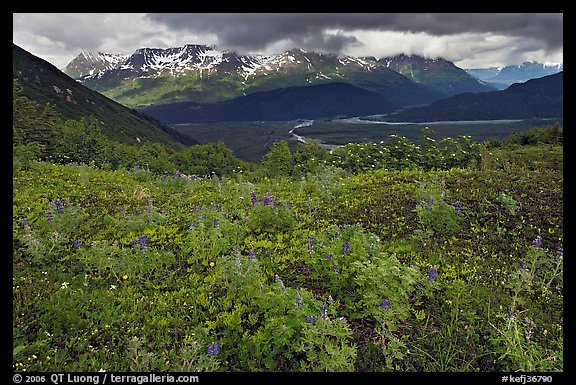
[(49, 217), (213, 349), (432, 273), (537, 242)]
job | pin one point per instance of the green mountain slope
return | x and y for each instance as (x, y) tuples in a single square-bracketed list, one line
[(305, 102), (43, 83), (439, 74), (537, 98)]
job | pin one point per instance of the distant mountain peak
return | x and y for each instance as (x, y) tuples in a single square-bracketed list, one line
[(88, 63), (503, 77)]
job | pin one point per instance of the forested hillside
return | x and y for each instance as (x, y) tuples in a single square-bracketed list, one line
[(37, 82)]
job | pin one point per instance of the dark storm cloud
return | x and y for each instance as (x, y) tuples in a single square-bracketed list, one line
[(470, 40), (257, 30)]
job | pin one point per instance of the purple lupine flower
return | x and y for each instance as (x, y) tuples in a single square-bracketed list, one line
[(143, 242), (49, 217), (266, 200), (323, 306), (329, 256), (213, 349), (165, 175), (178, 174), (345, 248), (344, 319), (59, 207), (336, 269), (311, 319), (560, 252), (25, 224), (432, 273), (299, 301), (523, 265), (253, 197), (237, 251), (509, 317), (385, 304), (277, 278), (77, 243), (215, 222), (192, 225), (251, 255), (537, 242), (458, 206), (311, 244), (122, 212)]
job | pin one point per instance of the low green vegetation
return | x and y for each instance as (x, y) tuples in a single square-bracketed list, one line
[(250, 141), (393, 256)]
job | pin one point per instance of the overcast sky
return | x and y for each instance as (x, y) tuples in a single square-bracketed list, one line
[(470, 40)]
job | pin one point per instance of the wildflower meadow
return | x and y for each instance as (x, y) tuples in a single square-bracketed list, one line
[(339, 267)]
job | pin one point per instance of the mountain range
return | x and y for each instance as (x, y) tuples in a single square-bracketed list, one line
[(204, 74), (41, 82), (536, 98), (502, 77), (293, 85)]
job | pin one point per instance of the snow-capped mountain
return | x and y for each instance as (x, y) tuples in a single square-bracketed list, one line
[(88, 64), (502, 77), (202, 59), (203, 73)]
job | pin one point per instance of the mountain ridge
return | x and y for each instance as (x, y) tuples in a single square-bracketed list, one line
[(299, 102), (44, 83), (503, 77), (202, 73), (535, 98)]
